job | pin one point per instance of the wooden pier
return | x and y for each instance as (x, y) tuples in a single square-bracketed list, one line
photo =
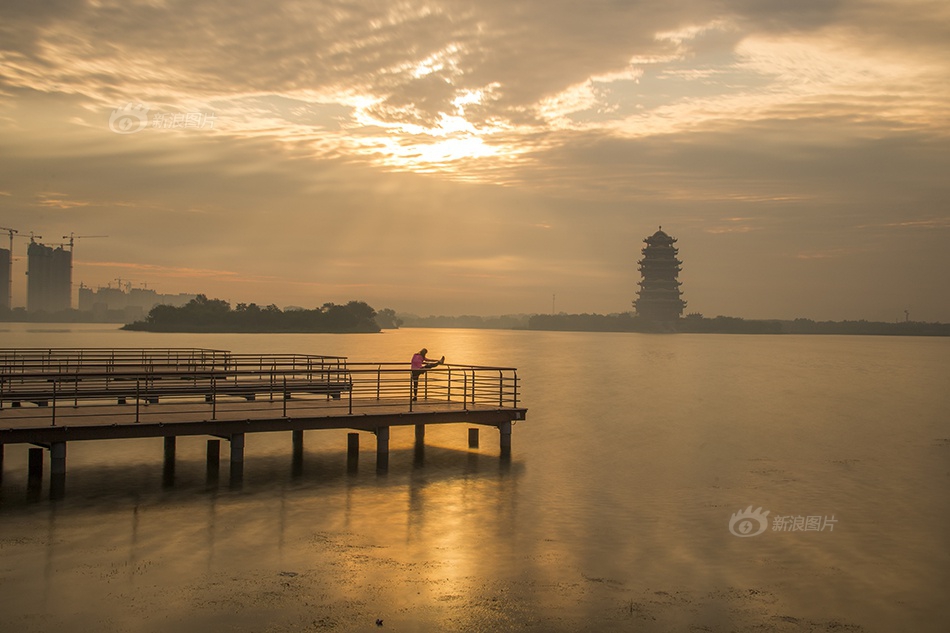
[(50, 397)]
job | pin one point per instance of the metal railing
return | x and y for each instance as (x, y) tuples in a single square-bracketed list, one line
[(132, 385)]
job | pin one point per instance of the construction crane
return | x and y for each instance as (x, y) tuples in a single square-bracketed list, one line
[(72, 237)]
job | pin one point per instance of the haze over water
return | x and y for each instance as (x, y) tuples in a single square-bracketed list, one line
[(613, 512)]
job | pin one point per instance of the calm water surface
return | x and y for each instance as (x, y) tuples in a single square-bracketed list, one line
[(613, 512)]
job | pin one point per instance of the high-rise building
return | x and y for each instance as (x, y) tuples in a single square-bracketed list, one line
[(49, 278), (659, 294), (6, 278)]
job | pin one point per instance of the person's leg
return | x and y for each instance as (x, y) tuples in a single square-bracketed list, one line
[(415, 384)]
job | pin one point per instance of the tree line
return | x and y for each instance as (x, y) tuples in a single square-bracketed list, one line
[(202, 314), (697, 323)]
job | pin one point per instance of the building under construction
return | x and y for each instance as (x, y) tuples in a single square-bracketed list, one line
[(49, 278), (6, 279), (130, 303)]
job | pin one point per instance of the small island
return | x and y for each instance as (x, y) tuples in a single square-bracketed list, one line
[(216, 315)]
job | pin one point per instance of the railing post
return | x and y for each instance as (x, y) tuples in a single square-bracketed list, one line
[(448, 387), (54, 402), (349, 392), (501, 388), (273, 377), (464, 390), (379, 379), (214, 397), (515, 396), (137, 400), (284, 399)]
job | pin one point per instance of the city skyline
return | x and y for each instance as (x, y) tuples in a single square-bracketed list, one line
[(441, 158)]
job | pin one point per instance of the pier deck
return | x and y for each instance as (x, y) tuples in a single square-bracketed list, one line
[(51, 397)]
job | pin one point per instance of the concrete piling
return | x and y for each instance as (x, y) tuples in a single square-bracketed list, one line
[(57, 463), (419, 449), (169, 449), (57, 469), (213, 461), (473, 438), (382, 448), (35, 465), (296, 462), (505, 431), (34, 481), (237, 460), (168, 463), (352, 451), (237, 448)]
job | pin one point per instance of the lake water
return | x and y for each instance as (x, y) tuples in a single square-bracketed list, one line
[(613, 513)]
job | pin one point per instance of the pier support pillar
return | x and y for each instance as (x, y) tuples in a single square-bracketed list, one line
[(57, 452), (473, 438), (237, 448), (169, 449), (296, 464), (352, 445), (57, 470), (505, 431), (419, 450), (34, 477), (237, 459), (35, 464), (168, 463), (382, 448), (213, 461), (352, 451)]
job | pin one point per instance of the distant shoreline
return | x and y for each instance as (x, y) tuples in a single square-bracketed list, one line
[(626, 322)]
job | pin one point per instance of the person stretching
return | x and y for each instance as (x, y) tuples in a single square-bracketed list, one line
[(420, 364)]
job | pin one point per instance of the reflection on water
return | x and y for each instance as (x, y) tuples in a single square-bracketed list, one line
[(326, 540), (612, 512)]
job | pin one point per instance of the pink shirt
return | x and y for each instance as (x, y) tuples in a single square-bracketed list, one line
[(417, 361)]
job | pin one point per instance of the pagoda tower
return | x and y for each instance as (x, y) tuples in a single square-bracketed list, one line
[(659, 294)]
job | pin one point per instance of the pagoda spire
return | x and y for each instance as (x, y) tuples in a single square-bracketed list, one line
[(659, 294)]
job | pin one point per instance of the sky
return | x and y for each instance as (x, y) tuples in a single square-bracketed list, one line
[(490, 157)]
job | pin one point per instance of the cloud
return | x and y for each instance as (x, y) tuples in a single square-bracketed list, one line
[(448, 87), (395, 144)]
